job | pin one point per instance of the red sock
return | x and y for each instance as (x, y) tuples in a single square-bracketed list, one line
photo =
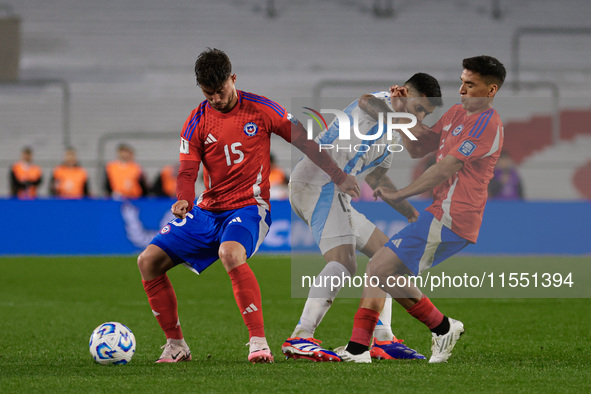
[(426, 312), (248, 297), (363, 325), (163, 302)]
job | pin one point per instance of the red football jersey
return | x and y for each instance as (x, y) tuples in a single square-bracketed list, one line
[(476, 140), (234, 148)]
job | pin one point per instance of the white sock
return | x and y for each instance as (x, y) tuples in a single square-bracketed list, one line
[(383, 330), (320, 299)]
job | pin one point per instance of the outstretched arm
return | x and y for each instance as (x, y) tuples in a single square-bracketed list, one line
[(432, 177), (427, 141), (378, 179), (373, 106), (346, 183)]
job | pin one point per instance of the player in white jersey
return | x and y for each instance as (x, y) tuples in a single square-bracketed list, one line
[(337, 227)]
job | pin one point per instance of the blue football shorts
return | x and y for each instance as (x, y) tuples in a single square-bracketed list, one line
[(195, 240), (425, 243)]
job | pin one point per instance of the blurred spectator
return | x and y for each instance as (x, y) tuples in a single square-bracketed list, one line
[(124, 177), (278, 181), (165, 184), (506, 183), (25, 176), (69, 179)]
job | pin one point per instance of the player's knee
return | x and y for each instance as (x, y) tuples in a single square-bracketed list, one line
[(381, 269), (152, 264), (231, 257), (350, 265), (143, 263)]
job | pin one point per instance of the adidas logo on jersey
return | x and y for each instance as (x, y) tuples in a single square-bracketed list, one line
[(249, 309), (397, 242), (236, 220), (210, 139)]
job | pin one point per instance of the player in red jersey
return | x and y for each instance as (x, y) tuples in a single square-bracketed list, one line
[(468, 139), (230, 134)]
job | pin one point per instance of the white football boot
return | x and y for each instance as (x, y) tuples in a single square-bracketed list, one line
[(442, 345), (175, 350), (344, 354)]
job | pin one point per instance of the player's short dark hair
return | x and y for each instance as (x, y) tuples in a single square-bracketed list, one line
[(489, 68), (212, 68), (427, 85)]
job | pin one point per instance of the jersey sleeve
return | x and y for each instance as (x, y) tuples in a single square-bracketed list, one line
[(191, 146), (280, 121), (480, 137), (387, 162)]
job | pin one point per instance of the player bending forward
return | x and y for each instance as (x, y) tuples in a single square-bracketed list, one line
[(339, 229), (468, 139), (230, 134)]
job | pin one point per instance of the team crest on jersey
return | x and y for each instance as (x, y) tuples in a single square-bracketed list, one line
[(250, 129), (165, 229), (467, 148), (457, 130)]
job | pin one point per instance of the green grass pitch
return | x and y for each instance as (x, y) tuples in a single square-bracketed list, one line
[(49, 307)]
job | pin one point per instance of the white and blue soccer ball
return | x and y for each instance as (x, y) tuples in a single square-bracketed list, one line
[(112, 343)]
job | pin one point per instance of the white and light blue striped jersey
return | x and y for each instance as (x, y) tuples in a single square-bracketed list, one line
[(356, 156)]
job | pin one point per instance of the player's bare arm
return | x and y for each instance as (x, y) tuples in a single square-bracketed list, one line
[(373, 106), (378, 179), (350, 186), (346, 183), (427, 141), (185, 188), (432, 177)]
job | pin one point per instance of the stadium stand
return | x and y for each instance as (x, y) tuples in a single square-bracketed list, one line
[(129, 68)]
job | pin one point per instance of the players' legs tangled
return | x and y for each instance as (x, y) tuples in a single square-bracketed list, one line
[(153, 264), (302, 343), (385, 264), (378, 300), (340, 263)]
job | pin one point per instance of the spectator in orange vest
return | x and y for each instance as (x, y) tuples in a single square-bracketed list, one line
[(69, 179), (25, 176), (278, 181), (124, 177), (165, 185)]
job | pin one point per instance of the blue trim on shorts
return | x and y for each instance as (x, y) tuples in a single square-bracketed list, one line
[(321, 211), (410, 243)]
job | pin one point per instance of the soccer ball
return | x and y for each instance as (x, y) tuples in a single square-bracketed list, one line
[(112, 343)]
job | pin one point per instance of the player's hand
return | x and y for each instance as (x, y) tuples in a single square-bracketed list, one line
[(398, 95), (179, 209), (350, 186), (414, 217), (386, 194)]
